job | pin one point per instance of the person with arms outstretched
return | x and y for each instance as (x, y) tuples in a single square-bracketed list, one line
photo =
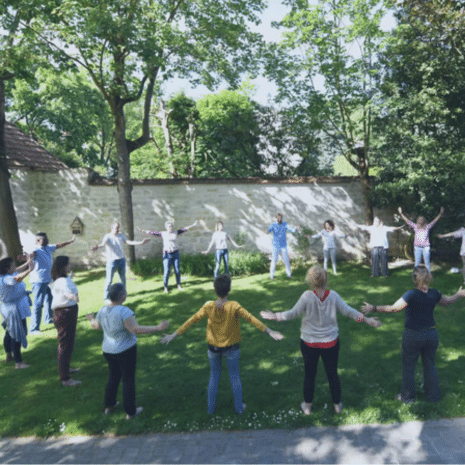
[(319, 333), (223, 337), (421, 244)]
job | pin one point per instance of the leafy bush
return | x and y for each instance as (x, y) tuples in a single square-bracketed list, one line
[(240, 263)]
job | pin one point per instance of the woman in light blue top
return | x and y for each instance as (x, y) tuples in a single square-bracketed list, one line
[(119, 348), (15, 307)]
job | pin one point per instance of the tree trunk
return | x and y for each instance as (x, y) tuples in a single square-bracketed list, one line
[(8, 223), (124, 180), (163, 115), (192, 137), (363, 171)]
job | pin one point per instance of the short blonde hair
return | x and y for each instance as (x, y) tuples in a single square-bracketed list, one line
[(316, 277), (421, 276)]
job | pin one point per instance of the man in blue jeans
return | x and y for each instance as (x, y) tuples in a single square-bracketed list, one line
[(40, 278), (113, 243)]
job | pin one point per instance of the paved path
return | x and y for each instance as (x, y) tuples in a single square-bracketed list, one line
[(441, 441)]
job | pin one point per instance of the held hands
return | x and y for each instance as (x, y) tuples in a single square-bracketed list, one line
[(163, 325), (373, 322), (267, 315)]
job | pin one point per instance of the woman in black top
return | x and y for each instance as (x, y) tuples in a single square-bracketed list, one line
[(420, 337)]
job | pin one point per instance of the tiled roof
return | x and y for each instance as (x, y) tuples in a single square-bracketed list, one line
[(23, 152)]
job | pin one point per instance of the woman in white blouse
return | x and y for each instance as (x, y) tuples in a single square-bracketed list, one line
[(65, 312), (220, 238)]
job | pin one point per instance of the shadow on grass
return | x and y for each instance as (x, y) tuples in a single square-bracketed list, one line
[(172, 380)]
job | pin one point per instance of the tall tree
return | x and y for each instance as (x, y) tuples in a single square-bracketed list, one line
[(52, 109), (325, 67), (128, 46), (17, 53), (229, 136), (422, 120)]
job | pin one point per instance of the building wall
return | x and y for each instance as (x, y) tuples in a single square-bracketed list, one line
[(51, 201)]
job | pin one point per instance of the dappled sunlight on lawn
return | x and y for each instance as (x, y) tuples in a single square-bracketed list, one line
[(172, 380)]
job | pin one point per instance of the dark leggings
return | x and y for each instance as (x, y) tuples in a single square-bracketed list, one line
[(330, 357), (122, 366), (11, 345), (65, 320)]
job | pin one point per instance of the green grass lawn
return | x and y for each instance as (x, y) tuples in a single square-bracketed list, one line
[(172, 380)]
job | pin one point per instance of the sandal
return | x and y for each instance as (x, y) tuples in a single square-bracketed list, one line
[(338, 408), (307, 410), (138, 411)]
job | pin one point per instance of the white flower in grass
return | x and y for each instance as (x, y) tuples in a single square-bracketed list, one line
[(62, 427), (460, 381), (274, 383)]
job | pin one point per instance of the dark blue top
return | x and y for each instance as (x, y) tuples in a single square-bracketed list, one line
[(420, 307)]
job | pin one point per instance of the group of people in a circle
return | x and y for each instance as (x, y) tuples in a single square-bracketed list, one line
[(53, 287)]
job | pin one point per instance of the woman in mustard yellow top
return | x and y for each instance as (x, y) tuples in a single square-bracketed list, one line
[(223, 336)]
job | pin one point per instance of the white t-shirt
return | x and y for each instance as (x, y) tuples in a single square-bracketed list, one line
[(220, 239), (60, 289), (114, 246)]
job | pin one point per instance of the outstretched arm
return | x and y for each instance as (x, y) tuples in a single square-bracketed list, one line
[(167, 338), (143, 241), (398, 306), (233, 243), (447, 300), (133, 327), (402, 215), (93, 322), (441, 211), (209, 246), (64, 244), (193, 225)]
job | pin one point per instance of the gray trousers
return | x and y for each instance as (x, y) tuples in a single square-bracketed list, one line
[(414, 345)]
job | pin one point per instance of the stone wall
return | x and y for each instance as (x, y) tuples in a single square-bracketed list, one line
[(51, 201)]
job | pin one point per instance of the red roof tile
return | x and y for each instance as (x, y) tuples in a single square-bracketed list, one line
[(23, 152)]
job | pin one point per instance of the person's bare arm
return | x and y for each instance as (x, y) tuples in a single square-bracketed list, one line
[(398, 306), (64, 244)]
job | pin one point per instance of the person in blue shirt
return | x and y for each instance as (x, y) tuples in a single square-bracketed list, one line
[(420, 337), (279, 244), (40, 278)]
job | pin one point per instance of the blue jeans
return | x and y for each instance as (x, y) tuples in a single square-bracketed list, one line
[(42, 298), (379, 255), (232, 360), (426, 252), (221, 254), (414, 345), (274, 260), (171, 258), (119, 266)]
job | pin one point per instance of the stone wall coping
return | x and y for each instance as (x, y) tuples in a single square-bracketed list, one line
[(100, 181)]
